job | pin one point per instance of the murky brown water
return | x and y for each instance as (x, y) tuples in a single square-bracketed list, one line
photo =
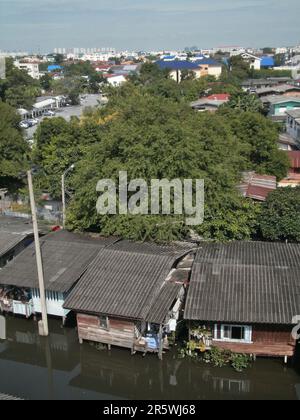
[(59, 368)]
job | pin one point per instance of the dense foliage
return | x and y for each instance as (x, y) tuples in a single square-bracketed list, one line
[(13, 148), (280, 217), (18, 89), (149, 130)]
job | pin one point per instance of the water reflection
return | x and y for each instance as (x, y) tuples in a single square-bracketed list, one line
[(57, 367)]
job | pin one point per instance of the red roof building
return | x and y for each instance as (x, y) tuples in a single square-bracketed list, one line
[(293, 178), (219, 97), (256, 186)]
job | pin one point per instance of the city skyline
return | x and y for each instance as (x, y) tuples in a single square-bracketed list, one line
[(137, 25)]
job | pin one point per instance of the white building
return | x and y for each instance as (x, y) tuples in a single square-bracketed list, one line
[(116, 80), (254, 62), (31, 68)]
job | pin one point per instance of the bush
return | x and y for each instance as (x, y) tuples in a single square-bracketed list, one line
[(218, 357)]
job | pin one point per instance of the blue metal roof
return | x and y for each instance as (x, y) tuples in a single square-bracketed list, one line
[(267, 62), (169, 57), (207, 61), (54, 67), (177, 65)]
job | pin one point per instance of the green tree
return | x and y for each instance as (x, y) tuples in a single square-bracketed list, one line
[(18, 89), (280, 217), (258, 138), (154, 137), (13, 148), (243, 101)]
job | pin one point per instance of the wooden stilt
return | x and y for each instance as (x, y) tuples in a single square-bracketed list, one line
[(160, 353)]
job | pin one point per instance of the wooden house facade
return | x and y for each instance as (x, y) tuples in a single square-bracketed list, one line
[(244, 297), (131, 296)]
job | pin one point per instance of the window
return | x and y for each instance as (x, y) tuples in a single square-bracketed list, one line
[(235, 333), (103, 322)]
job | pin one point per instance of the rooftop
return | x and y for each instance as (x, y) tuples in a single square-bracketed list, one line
[(245, 282), (256, 186), (177, 65), (65, 257), (129, 280)]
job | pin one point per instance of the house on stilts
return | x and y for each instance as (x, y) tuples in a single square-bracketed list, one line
[(245, 297), (65, 256), (131, 295)]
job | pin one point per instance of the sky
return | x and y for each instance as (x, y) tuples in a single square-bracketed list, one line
[(42, 25)]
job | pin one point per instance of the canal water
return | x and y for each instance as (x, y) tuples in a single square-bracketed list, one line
[(57, 367)]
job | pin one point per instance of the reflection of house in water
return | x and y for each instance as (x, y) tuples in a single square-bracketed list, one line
[(59, 351), (232, 386)]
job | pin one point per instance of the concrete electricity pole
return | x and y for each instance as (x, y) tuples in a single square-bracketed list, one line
[(43, 325), (63, 192)]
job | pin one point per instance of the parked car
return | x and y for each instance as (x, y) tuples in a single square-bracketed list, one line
[(49, 113), (32, 122), (24, 124)]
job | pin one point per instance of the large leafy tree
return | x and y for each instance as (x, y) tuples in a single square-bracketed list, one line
[(151, 137), (18, 89), (13, 148), (258, 138), (243, 101), (280, 217)]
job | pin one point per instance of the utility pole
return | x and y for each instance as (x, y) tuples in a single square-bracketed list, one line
[(63, 193), (43, 325)]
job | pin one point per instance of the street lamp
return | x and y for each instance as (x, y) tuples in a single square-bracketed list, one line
[(43, 325), (63, 192)]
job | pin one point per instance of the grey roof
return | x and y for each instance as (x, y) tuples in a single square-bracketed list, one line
[(8, 241), (15, 225), (295, 113), (270, 81), (287, 139), (278, 99), (65, 258), (206, 102), (278, 89), (245, 282), (128, 280)]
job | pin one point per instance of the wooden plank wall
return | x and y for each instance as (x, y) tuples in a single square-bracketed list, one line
[(119, 333)]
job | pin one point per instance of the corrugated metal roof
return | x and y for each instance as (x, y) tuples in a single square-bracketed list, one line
[(295, 159), (177, 65), (9, 241), (208, 62), (15, 225), (256, 186), (65, 258), (125, 280), (164, 301), (246, 282)]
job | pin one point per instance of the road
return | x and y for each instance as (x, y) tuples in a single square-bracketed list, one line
[(68, 112)]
